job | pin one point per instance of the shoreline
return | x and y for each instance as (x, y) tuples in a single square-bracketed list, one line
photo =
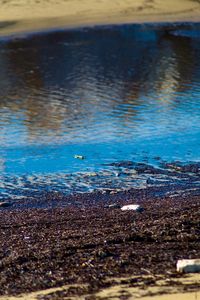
[(76, 246), (34, 16)]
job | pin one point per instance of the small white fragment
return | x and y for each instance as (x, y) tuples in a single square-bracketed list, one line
[(188, 265), (135, 207), (79, 156)]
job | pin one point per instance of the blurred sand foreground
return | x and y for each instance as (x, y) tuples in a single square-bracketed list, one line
[(183, 288), (30, 15)]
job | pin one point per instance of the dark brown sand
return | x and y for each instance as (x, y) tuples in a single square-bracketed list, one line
[(84, 243)]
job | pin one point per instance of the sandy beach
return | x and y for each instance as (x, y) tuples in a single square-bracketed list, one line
[(24, 15), (77, 247)]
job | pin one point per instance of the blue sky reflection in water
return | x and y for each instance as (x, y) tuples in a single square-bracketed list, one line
[(109, 93)]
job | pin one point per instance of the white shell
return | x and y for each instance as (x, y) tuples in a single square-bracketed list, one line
[(135, 207), (188, 265)]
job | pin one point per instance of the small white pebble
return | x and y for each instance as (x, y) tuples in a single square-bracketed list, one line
[(134, 207), (188, 265)]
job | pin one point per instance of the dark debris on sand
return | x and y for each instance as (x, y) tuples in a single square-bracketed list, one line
[(84, 243)]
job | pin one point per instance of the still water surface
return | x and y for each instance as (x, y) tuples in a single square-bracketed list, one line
[(108, 93)]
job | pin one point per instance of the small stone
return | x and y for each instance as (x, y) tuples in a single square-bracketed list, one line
[(92, 174), (188, 265), (113, 192), (118, 174), (5, 204), (135, 207)]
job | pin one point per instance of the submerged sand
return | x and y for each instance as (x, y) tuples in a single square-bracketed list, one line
[(24, 15)]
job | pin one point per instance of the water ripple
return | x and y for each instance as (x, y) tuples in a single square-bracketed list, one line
[(107, 93)]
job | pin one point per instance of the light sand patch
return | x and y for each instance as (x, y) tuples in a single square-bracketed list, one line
[(178, 296), (187, 287), (183, 288), (37, 15)]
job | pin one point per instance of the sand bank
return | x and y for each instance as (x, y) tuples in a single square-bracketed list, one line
[(23, 15)]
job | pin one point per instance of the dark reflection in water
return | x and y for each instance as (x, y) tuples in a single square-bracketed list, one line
[(109, 93)]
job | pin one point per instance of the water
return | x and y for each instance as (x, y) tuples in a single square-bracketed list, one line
[(129, 92)]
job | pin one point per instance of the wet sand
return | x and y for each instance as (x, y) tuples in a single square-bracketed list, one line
[(89, 244), (24, 15)]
